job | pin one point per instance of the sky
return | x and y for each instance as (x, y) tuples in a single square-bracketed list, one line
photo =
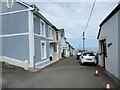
[(73, 16)]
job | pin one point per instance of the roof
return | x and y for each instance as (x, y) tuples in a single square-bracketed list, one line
[(55, 28), (34, 6), (117, 8), (23, 3), (67, 42)]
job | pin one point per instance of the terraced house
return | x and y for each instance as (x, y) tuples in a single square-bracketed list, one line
[(28, 38)]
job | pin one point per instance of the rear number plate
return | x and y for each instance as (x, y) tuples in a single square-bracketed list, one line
[(89, 59)]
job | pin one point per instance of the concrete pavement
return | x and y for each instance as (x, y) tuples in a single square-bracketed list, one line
[(66, 73)]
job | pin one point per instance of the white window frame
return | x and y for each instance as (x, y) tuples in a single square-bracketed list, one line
[(9, 3), (50, 32), (53, 34), (41, 21), (45, 54)]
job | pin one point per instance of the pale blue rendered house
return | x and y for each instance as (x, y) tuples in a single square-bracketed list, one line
[(25, 35)]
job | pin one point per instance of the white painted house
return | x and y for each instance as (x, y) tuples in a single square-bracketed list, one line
[(109, 42)]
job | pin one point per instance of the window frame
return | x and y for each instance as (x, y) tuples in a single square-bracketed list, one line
[(50, 32), (53, 34), (9, 3), (45, 53), (41, 31)]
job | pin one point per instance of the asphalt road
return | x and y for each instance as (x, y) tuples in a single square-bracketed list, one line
[(66, 73)]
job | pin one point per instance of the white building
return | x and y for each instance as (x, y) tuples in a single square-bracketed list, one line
[(109, 42)]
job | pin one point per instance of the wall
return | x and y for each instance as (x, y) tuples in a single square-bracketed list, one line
[(39, 38), (0, 29), (119, 45), (16, 47), (110, 31), (15, 23), (16, 6), (38, 48), (37, 26)]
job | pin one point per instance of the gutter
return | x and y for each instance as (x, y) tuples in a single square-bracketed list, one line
[(19, 11)]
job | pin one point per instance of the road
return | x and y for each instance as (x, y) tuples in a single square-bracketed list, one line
[(66, 73)]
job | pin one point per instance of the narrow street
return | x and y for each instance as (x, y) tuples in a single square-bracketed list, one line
[(66, 73)]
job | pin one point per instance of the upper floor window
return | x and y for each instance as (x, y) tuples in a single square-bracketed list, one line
[(50, 32), (42, 27), (53, 34), (9, 3)]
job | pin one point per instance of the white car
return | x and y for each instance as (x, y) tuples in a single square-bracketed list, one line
[(88, 57)]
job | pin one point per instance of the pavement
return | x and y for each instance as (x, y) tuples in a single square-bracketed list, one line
[(45, 63), (66, 73)]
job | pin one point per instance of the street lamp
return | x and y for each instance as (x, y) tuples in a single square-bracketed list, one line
[(83, 41)]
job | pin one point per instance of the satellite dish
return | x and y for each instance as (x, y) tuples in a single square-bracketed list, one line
[(9, 3)]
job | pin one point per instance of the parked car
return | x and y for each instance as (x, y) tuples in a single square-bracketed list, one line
[(78, 56), (88, 57)]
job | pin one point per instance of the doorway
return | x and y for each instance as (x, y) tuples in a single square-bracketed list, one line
[(103, 52)]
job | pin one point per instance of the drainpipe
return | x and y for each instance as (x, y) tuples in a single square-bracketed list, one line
[(31, 39)]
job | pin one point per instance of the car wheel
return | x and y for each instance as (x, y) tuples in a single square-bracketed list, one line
[(81, 63), (96, 64), (77, 58)]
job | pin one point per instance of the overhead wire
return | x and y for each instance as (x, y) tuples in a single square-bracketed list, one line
[(90, 15)]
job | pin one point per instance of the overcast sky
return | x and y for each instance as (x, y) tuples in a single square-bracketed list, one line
[(73, 16)]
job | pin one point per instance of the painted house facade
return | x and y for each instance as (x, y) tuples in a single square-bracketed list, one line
[(25, 35), (72, 51), (62, 43), (109, 42), (55, 44), (67, 49), (28, 38)]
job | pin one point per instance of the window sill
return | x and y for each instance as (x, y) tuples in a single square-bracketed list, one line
[(43, 36), (44, 58)]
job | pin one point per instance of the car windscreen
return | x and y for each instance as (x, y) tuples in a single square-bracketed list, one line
[(88, 54)]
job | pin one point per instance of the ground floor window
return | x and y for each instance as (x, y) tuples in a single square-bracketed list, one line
[(43, 49)]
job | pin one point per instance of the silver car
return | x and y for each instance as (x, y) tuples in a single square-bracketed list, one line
[(88, 57)]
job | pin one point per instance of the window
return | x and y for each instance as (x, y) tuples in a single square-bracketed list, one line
[(50, 32), (42, 27), (88, 54), (43, 49), (53, 37), (9, 3)]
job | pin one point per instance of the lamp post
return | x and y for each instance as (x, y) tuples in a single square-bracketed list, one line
[(83, 41)]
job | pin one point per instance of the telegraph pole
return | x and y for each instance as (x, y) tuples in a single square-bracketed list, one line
[(83, 41)]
